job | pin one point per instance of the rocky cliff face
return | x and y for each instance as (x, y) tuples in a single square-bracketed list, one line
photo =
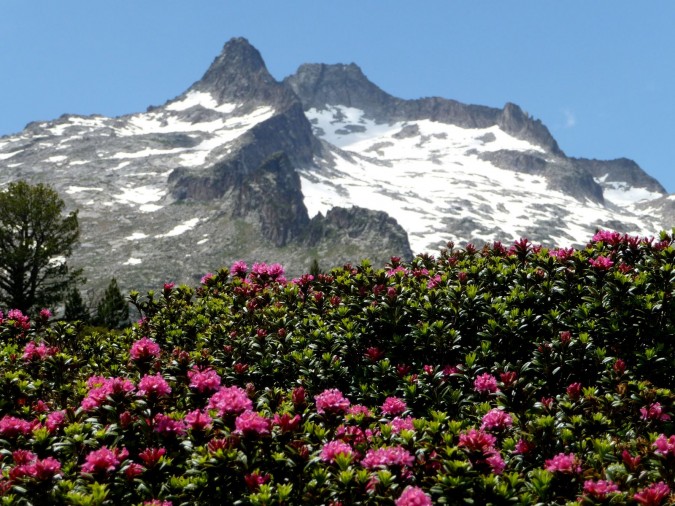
[(324, 165)]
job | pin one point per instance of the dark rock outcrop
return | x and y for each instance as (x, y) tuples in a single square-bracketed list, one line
[(620, 170), (561, 173), (239, 75)]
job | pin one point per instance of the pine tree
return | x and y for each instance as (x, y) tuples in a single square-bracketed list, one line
[(76, 309), (314, 268), (112, 310), (36, 240)]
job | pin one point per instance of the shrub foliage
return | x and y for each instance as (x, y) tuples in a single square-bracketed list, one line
[(499, 375)]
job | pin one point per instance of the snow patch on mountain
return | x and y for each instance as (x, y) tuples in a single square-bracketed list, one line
[(429, 176), (622, 194), (182, 228), (350, 128), (200, 98)]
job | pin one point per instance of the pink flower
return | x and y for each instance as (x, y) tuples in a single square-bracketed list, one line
[(230, 400), (601, 263), (334, 448), (508, 378), (359, 410), (388, 456), (574, 391), (562, 254), (607, 236), (153, 386), (102, 388), (654, 412), (523, 447), (398, 424), (239, 268), (396, 270), (298, 396), (21, 457), (630, 461), (563, 463), (45, 314), (151, 456), (46, 468), (286, 423), (434, 281), (485, 383), (133, 470), (250, 423), (599, 489), (276, 272), (352, 434), (653, 495), (259, 269), (496, 462), (104, 460), (197, 420), (450, 369), (331, 401), (29, 466), (40, 352), (255, 479), (496, 419), (20, 320), (374, 354), (393, 406), (206, 380), (167, 426), (55, 420), (665, 446), (11, 426), (476, 441), (144, 349), (413, 496), (206, 278)]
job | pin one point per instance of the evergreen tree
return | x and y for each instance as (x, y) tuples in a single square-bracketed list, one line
[(314, 268), (36, 240), (76, 309), (112, 310)]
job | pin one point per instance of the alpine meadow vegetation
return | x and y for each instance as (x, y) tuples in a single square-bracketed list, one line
[(495, 375)]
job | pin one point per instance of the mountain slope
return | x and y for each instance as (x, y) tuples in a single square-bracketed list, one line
[(449, 171), (324, 165), (199, 182)]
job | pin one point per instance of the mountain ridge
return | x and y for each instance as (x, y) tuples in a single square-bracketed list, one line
[(323, 165)]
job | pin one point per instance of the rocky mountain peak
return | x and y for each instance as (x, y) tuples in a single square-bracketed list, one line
[(239, 75), (319, 84), (515, 121)]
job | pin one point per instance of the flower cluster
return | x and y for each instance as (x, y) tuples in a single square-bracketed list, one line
[(510, 375)]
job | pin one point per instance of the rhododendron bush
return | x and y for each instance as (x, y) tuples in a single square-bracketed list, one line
[(501, 375)]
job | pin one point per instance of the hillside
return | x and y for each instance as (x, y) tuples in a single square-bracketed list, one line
[(320, 166), (505, 375)]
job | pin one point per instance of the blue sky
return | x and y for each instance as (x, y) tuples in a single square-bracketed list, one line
[(599, 74)]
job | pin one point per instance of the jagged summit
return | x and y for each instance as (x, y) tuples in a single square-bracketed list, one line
[(322, 85), (239, 75), (318, 84)]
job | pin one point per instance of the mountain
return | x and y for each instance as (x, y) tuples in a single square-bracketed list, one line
[(450, 171), (322, 165)]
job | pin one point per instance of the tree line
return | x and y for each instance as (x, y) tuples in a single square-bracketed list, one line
[(37, 238)]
